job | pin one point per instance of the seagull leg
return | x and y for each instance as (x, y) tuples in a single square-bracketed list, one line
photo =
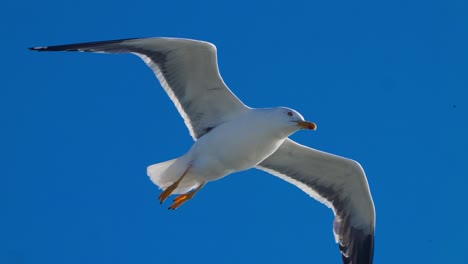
[(181, 199), (169, 190)]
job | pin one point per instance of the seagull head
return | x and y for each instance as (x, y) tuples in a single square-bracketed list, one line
[(290, 120)]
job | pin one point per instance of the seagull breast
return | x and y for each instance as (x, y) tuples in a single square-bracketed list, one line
[(237, 145)]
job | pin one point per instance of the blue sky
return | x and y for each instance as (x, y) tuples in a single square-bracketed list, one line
[(385, 82)]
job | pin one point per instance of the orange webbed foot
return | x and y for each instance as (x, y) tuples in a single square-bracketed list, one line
[(169, 190), (181, 199), (166, 193)]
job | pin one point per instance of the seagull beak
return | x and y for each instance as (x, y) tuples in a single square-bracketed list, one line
[(307, 125)]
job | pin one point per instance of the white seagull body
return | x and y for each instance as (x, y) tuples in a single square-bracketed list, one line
[(231, 137)]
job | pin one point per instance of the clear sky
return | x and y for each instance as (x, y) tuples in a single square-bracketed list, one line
[(386, 83)]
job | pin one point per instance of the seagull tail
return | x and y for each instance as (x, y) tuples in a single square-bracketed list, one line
[(166, 173), (156, 172)]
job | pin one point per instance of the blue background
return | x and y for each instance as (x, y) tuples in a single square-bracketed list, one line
[(386, 83)]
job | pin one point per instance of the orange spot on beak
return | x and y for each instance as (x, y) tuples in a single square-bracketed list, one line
[(307, 125)]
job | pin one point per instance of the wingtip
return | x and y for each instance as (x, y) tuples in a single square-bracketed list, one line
[(38, 48), (85, 46)]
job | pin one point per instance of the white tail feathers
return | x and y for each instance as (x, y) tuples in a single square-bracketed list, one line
[(157, 171), (166, 173)]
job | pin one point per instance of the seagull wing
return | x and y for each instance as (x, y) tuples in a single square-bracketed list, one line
[(337, 182), (188, 72)]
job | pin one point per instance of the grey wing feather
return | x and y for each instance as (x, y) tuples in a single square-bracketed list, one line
[(187, 70), (340, 184)]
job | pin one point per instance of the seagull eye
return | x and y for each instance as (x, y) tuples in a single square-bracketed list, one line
[(290, 113)]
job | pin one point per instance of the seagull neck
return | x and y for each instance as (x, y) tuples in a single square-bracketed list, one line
[(267, 119)]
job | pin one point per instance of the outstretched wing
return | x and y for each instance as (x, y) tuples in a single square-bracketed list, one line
[(188, 72), (340, 184)]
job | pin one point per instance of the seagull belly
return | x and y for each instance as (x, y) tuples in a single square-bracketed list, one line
[(228, 148)]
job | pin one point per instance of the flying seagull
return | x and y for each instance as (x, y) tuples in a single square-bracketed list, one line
[(230, 137)]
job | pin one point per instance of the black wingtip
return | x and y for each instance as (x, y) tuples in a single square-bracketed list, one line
[(47, 48), (54, 48), (38, 48), (79, 46), (363, 251)]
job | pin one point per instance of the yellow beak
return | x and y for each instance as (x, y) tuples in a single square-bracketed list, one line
[(307, 125)]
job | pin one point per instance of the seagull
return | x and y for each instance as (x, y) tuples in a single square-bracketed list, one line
[(231, 137)]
